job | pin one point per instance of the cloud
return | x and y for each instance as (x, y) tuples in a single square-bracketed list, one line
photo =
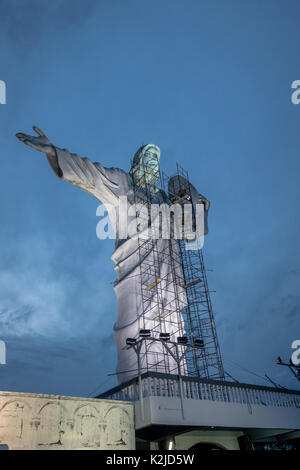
[(40, 365), (47, 291), (25, 22)]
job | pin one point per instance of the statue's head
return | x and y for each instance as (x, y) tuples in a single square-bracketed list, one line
[(145, 166)]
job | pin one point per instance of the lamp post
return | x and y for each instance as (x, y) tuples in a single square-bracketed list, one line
[(132, 343), (164, 339)]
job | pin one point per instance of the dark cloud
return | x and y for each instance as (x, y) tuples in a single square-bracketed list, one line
[(25, 22), (37, 364)]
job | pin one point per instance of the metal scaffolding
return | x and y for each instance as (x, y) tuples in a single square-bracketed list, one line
[(176, 299)]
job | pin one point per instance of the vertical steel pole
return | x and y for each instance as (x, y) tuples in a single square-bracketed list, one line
[(180, 381), (141, 398)]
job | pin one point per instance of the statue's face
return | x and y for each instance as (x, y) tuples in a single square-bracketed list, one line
[(146, 171), (150, 166)]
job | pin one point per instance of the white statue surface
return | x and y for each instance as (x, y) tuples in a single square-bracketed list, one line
[(165, 301)]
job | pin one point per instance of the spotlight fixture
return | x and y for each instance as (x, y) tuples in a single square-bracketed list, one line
[(199, 343), (130, 341), (182, 340), (145, 333), (164, 336)]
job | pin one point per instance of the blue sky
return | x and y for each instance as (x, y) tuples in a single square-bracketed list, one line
[(209, 82)]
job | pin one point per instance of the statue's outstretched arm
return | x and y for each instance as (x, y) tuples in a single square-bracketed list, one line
[(81, 172)]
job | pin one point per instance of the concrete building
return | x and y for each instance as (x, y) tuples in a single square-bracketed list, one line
[(209, 413)]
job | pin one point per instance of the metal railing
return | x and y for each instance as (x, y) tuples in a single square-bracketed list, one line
[(160, 385)]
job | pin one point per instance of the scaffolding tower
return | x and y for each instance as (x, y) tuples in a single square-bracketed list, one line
[(204, 362), (173, 290)]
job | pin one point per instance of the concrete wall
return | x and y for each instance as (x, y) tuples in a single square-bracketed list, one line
[(33, 421), (167, 412)]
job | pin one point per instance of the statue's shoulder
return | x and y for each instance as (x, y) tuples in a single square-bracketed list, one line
[(116, 176), (111, 170)]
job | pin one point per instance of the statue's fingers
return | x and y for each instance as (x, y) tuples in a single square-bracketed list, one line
[(38, 131), (32, 145), (27, 142), (22, 136)]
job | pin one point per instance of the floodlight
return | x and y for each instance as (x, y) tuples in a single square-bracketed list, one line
[(130, 341), (145, 333), (199, 343), (182, 340), (164, 336)]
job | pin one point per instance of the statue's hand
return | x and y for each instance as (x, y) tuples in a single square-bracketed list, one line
[(41, 143)]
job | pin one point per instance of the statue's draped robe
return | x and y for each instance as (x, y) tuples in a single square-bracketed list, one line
[(107, 185)]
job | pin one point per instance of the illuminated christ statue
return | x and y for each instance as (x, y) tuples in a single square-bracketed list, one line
[(164, 301)]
